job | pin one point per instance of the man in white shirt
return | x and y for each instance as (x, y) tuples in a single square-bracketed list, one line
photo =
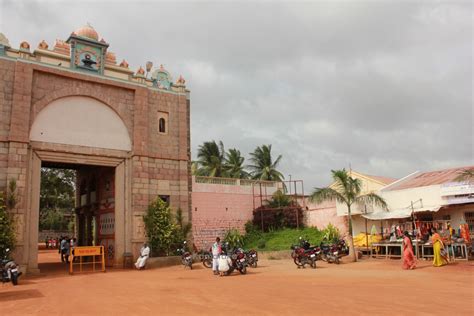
[(144, 255), (224, 263)]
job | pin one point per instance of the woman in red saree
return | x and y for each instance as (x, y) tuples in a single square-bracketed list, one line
[(438, 259), (409, 261)]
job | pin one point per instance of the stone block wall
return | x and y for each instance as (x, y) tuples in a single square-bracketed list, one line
[(216, 208), (322, 214)]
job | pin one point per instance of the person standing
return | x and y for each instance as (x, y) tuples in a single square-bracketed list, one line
[(144, 255), (409, 261), (216, 250), (438, 247), (67, 248), (62, 248), (46, 241)]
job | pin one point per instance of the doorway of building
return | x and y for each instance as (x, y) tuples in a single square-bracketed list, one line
[(77, 204)]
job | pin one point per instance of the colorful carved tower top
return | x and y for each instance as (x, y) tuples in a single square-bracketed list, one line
[(87, 52)]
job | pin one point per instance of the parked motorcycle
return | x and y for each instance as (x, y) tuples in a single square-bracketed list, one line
[(330, 253), (304, 254), (206, 258), (186, 256), (252, 258), (9, 269), (238, 258)]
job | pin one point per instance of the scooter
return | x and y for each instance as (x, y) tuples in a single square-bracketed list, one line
[(186, 257), (9, 269)]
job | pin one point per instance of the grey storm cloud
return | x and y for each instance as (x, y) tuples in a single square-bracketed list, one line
[(382, 86)]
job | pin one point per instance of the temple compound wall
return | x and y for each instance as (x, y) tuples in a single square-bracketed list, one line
[(73, 105)]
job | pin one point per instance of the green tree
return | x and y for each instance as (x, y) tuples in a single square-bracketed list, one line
[(263, 167), (279, 199), (347, 190), (160, 227), (234, 165), (7, 230), (57, 195), (211, 159)]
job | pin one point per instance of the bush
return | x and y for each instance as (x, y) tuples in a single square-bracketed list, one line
[(261, 243), (7, 232), (234, 238), (160, 227), (278, 218), (331, 233)]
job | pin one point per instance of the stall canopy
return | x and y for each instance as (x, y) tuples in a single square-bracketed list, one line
[(400, 213)]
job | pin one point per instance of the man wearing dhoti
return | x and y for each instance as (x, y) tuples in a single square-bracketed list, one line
[(144, 254)]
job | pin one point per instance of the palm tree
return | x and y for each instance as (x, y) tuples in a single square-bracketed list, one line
[(263, 167), (347, 190), (233, 165), (210, 159), (465, 175)]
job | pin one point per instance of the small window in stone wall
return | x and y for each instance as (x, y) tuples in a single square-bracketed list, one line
[(165, 198), (162, 122)]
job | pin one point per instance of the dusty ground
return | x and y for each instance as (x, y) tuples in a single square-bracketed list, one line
[(276, 287)]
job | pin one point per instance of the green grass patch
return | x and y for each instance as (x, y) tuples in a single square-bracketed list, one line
[(281, 239)]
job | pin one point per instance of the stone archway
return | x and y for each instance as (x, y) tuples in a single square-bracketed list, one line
[(79, 130), (80, 121)]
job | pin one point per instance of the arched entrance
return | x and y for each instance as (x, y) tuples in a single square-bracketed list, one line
[(86, 135)]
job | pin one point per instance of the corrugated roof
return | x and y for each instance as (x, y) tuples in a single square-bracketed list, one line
[(429, 178), (386, 180)]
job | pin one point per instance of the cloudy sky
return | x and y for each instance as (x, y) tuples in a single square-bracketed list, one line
[(382, 86)]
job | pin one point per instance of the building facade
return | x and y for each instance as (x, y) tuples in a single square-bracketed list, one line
[(126, 133)]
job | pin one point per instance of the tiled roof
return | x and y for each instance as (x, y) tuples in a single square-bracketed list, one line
[(430, 178)]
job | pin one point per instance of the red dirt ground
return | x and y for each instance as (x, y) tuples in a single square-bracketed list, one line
[(276, 287)]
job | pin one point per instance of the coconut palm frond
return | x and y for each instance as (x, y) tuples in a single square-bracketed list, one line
[(320, 195), (372, 199)]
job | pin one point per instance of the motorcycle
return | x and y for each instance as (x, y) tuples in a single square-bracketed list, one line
[(9, 270), (238, 258), (186, 256), (206, 258), (252, 258), (304, 254), (330, 253)]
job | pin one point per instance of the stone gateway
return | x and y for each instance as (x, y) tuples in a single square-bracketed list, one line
[(126, 133)]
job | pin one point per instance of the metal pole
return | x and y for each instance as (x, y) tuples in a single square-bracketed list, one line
[(366, 233), (416, 236)]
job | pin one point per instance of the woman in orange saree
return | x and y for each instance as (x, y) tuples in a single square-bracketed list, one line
[(438, 259), (409, 261)]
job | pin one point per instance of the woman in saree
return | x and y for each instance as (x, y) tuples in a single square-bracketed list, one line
[(438, 259), (409, 261)]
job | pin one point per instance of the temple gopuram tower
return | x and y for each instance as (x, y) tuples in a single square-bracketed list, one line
[(125, 132)]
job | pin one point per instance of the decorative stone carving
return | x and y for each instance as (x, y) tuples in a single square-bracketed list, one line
[(61, 47), (138, 227), (124, 64), (180, 81), (25, 46), (162, 78), (4, 40), (110, 58), (140, 72), (43, 45)]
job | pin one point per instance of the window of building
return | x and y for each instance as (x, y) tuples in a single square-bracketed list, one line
[(163, 124), (165, 198)]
